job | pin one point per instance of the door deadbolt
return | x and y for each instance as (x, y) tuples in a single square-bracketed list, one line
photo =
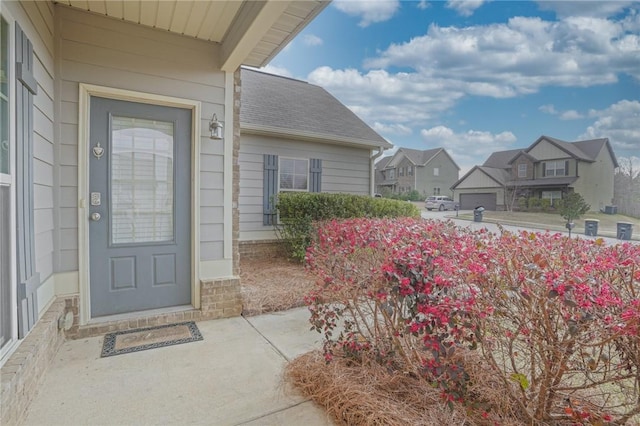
[(95, 216)]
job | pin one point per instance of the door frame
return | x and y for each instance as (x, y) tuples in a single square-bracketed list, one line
[(86, 91)]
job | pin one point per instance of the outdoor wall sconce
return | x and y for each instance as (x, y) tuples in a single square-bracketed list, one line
[(215, 127)]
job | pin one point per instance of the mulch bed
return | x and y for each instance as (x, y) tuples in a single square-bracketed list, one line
[(273, 284)]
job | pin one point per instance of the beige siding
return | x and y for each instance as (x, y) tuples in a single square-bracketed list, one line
[(595, 182), (478, 179), (546, 151), (107, 52), (344, 169), (35, 20), (448, 175)]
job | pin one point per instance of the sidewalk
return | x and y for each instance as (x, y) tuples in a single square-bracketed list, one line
[(232, 377)]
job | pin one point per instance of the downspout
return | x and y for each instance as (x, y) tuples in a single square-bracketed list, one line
[(372, 167)]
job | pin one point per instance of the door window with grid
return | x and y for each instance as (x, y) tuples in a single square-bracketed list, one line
[(141, 180)]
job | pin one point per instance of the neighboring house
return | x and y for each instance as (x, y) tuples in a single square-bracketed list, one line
[(117, 208), (548, 169), (295, 136), (430, 172)]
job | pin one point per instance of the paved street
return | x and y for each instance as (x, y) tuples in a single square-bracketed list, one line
[(493, 227)]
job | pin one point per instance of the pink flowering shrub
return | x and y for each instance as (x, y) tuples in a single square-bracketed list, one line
[(396, 290), (557, 319), (563, 334)]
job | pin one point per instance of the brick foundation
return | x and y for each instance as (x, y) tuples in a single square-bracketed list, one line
[(25, 369), (262, 249)]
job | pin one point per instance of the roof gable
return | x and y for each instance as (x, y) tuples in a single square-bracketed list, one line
[(281, 105), (498, 175), (418, 157)]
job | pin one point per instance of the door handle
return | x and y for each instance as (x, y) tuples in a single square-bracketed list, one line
[(95, 216)]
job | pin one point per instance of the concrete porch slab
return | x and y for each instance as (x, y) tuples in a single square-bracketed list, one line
[(232, 377)]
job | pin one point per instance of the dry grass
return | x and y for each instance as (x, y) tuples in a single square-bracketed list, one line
[(370, 394), (273, 284)]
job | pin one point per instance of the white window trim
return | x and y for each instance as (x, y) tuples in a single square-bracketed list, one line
[(9, 180), (436, 171), (280, 158), (522, 171), (555, 168)]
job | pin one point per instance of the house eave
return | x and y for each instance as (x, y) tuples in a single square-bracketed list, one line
[(273, 131)]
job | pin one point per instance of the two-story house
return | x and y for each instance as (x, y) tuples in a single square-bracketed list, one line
[(548, 169), (430, 172)]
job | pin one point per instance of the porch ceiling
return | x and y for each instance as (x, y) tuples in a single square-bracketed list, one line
[(250, 32)]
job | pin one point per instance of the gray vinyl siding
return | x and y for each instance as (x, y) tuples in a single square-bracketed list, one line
[(426, 181), (107, 52), (36, 20), (344, 169)]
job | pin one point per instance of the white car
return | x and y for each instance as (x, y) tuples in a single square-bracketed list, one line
[(440, 202)]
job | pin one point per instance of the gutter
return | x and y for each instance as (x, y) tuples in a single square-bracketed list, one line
[(372, 167)]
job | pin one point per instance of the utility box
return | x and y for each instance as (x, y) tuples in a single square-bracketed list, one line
[(611, 209), (625, 229), (591, 227)]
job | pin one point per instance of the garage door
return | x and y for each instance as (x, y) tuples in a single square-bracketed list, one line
[(471, 201)]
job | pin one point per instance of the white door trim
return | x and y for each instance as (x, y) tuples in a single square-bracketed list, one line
[(85, 93)]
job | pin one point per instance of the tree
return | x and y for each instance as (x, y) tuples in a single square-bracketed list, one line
[(626, 186), (573, 206)]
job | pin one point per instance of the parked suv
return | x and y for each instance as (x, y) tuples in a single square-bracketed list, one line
[(440, 202)]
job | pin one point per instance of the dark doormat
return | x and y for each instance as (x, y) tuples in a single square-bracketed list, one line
[(140, 339)]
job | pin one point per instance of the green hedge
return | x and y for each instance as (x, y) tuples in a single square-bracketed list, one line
[(298, 210)]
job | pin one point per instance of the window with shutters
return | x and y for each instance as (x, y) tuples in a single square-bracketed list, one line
[(293, 174), (555, 168)]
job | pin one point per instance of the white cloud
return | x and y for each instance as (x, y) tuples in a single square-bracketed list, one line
[(392, 129), (598, 8), (548, 109), (379, 96), (312, 40), (423, 5), (571, 114), (273, 69), (464, 7), (619, 123), (520, 56), (467, 147), (369, 11)]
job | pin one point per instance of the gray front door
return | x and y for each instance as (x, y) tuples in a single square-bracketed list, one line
[(139, 206)]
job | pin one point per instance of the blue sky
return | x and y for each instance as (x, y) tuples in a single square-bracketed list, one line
[(477, 76)]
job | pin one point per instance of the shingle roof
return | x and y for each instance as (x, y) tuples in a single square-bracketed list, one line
[(418, 157), (498, 174), (501, 159), (544, 182), (284, 105), (382, 163), (582, 150)]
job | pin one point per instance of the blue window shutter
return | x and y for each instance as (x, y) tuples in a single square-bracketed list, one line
[(28, 278), (270, 189), (315, 175)]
